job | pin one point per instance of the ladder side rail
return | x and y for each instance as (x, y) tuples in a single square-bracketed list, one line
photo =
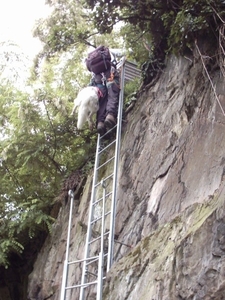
[(65, 267), (89, 229), (100, 277), (116, 162), (101, 254)]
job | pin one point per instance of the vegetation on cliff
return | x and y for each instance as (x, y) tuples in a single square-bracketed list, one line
[(40, 146)]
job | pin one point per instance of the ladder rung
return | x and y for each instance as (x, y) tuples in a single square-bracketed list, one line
[(88, 263), (100, 199), (98, 238), (99, 218), (108, 132), (81, 260), (106, 178), (105, 163), (106, 147), (81, 285)]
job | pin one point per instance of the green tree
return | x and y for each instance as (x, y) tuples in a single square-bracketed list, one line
[(39, 147), (172, 25)]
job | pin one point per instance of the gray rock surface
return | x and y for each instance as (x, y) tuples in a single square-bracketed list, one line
[(170, 209)]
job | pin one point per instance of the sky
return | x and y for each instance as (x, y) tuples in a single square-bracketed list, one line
[(17, 18)]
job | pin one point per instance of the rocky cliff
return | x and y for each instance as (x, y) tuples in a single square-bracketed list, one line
[(170, 219)]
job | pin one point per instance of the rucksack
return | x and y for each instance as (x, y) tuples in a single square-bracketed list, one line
[(99, 60)]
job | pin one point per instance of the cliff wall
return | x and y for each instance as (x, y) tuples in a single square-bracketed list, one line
[(170, 208)]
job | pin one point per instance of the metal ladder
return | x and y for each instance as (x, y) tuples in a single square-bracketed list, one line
[(98, 256)]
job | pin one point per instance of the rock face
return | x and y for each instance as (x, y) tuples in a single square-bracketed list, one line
[(170, 209)]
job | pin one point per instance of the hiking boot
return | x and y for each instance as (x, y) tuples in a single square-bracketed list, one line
[(101, 128), (110, 121)]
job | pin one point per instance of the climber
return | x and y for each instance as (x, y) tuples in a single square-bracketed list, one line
[(108, 82)]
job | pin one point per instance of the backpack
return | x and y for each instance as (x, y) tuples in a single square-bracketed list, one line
[(99, 60)]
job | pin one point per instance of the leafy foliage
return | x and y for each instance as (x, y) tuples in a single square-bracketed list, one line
[(40, 145), (13, 62), (167, 25), (68, 27), (130, 92)]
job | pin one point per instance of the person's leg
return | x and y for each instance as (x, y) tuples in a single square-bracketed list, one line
[(112, 103), (101, 113)]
